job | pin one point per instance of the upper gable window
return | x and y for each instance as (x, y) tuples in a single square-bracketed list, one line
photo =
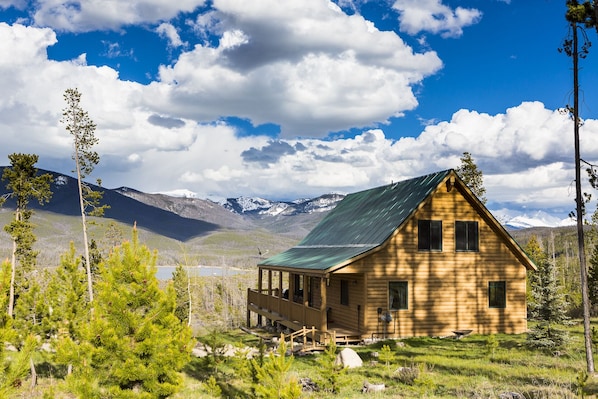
[(429, 235), (466, 236)]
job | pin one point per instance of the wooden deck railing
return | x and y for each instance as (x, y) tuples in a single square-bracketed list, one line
[(288, 310), (313, 339)]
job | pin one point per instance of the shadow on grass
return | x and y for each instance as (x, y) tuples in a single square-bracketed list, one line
[(199, 368), (202, 369), (50, 370)]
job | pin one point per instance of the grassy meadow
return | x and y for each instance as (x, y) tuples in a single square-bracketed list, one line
[(473, 367)]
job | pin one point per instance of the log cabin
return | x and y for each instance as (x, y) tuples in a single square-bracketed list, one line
[(420, 257)]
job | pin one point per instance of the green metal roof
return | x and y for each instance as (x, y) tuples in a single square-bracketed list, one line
[(361, 222)]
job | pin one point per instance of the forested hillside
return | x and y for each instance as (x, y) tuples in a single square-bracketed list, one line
[(560, 244)]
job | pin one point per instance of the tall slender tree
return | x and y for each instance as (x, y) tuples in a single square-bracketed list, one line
[(548, 305), (82, 128), (24, 184), (472, 176), (580, 14)]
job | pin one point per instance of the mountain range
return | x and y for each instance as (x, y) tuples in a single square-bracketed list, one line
[(201, 231), (178, 224)]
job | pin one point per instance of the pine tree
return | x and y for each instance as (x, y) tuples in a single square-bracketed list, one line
[(472, 176), (14, 370), (134, 346), (330, 371), (68, 310), (82, 128), (593, 277), (274, 379), (24, 184), (181, 284), (548, 306), (67, 298)]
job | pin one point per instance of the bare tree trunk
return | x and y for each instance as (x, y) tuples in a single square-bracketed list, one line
[(13, 270), (580, 209), (33, 373), (189, 295), (84, 223), (13, 273)]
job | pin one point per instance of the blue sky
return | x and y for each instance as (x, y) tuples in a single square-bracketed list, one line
[(302, 97)]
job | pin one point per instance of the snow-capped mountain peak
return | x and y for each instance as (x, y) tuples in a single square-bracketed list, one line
[(536, 219), (262, 207), (180, 193)]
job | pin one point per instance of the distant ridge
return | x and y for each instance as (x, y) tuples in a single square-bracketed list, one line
[(123, 208)]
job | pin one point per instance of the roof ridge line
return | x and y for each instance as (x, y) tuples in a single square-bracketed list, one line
[(337, 246)]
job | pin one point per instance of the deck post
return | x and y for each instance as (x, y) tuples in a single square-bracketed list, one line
[(305, 298), (269, 282), (279, 291), (323, 305), (292, 287), (259, 291), (248, 311)]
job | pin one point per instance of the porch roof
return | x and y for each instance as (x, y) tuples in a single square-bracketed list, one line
[(361, 222)]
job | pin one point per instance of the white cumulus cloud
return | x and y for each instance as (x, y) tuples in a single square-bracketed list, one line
[(433, 16)]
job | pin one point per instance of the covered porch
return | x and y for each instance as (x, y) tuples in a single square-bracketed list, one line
[(295, 300)]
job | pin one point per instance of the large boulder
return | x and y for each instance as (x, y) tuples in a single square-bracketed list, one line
[(348, 358)]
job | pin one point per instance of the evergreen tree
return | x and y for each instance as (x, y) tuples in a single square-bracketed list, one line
[(275, 380), (548, 306), (23, 183), (15, 369), (82, 128), (472, 176), (134, 346), (180, 282), (330, 371), (5, 272), (593, 277), (67, 298), (31, 309)]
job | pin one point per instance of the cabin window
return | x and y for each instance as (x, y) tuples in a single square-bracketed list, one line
[(429, 236), (344, 292), (497, 294), (466, 236), (397, 295)]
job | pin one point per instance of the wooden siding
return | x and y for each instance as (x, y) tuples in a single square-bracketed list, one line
[(351, 315), (447, 290)]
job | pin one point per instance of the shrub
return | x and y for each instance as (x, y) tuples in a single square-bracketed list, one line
[(407, 375)]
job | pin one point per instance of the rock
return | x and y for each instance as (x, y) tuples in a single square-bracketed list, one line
[(348, 358), (199, 352), (511, 395), (367, 387), (307, 385)]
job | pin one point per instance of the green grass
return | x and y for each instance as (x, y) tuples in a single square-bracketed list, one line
[(446, 368)]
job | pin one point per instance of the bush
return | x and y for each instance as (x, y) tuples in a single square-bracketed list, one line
[(406, 375)]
